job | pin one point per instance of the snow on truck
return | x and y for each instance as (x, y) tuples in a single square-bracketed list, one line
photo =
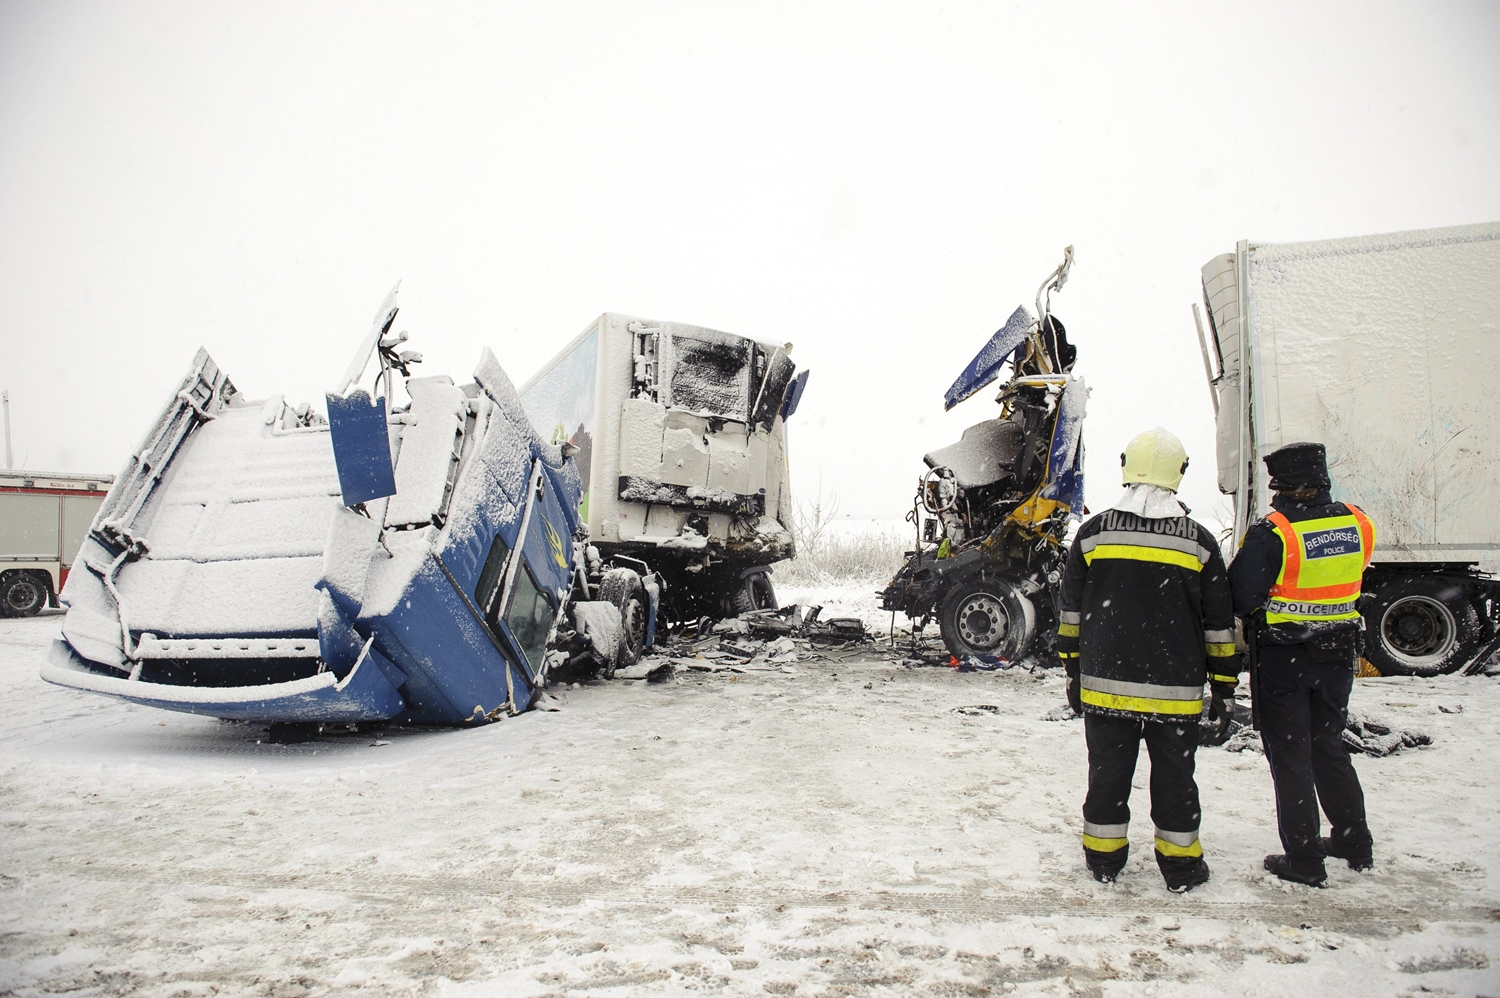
[(422, 563), (44, 517), (681, 440), (1386, 349)]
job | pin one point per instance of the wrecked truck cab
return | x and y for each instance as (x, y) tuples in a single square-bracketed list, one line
[(681, 439), (996, 505), (225, 576)]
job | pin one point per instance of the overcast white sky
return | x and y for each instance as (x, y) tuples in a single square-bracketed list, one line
[(879, 184)]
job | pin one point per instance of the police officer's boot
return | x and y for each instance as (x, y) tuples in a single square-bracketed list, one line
[(1300, 871)]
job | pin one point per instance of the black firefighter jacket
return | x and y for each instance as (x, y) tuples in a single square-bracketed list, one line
[(1147, 616)]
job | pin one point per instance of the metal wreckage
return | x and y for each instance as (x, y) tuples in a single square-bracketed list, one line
[(989, 556), (432, 563)]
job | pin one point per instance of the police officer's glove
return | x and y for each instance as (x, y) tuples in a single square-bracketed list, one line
[(1221, 708)]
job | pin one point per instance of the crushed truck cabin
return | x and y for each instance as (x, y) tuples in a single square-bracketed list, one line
[(997, 503), (680, 433)]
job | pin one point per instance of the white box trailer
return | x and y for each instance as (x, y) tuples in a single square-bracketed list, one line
[(681, 442), (44, 517), (1385, 349)]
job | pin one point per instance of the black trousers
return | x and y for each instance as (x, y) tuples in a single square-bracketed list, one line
[(1114, 743), (1304, 703)]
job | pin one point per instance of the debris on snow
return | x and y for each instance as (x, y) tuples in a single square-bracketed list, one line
[(979, 663), (977, 709), (1364, 733)]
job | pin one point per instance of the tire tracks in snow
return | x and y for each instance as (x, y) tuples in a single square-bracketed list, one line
[(1302, 907)]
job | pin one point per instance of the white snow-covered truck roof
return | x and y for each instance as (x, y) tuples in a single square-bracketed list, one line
[(1386, 349)]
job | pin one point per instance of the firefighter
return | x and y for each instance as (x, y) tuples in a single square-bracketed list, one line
[(1146, 620), (1296, 582)]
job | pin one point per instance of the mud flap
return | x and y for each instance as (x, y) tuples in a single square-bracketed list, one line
[(361, 447)]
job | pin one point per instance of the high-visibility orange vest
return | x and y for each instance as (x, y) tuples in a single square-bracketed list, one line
[(1322, 564)]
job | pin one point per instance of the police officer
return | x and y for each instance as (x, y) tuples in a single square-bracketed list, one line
[(1146, 619), (1296, 581)]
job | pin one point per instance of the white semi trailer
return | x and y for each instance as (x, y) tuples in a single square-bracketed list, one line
[(1386, 349), (44, 517), (680, 435)]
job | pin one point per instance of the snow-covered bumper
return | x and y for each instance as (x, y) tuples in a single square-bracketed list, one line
[(364, 694)]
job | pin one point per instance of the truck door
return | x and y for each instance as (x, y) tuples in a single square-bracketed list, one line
[(521, 600)]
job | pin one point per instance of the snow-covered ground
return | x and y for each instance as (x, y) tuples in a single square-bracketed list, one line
[(844, 828)]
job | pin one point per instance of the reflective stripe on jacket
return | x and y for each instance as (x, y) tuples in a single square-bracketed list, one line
[(1146, 615), (1322, 565)]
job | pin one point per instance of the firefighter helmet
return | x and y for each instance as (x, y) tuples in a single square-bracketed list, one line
[(1155, 457)]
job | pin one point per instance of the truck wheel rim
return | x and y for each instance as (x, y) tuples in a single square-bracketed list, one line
[(635, 625), (1418, 631), (22, 595), (982, 621)]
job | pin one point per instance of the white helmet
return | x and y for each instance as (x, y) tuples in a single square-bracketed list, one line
[(1155, 457)]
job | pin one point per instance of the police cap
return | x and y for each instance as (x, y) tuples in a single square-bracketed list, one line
[(1298, 466)]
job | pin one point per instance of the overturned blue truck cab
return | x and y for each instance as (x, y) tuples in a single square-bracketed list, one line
[(237, 570)]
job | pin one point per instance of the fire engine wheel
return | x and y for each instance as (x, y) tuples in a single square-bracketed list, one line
[(1421, 627), (754, 592), (987, 617), (21, 595)]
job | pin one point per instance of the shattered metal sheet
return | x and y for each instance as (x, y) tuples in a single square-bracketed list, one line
[(985, 367)]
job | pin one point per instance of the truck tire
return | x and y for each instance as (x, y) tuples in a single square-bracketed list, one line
[(987, 617), (1421, 626), (634, 618), (623, 588), (754, 592), (22, 594)]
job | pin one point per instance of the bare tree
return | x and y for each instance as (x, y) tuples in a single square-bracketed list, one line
[(810, 523)]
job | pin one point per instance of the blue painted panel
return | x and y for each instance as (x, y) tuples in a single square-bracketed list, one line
[(549, 541), (361, 447), (985, 367), (451, 664), (477, 516), (1064, 481), (794, 395)]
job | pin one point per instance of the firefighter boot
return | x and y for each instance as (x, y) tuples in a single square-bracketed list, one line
[(1105, 874), (1182, 873), (1358, 859), (1106, 864), (1301, 871)]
